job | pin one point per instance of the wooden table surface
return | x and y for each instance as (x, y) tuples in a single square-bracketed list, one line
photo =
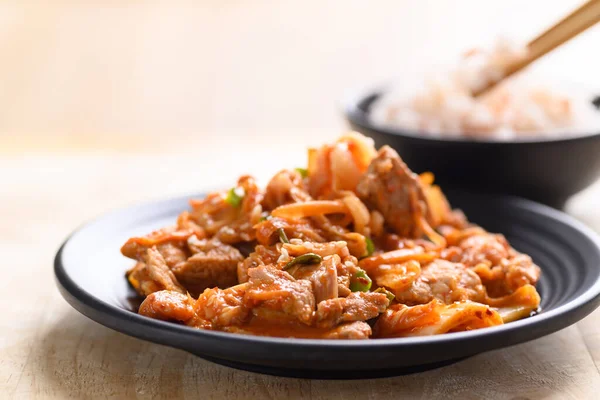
[(49, 350), (106, 104)]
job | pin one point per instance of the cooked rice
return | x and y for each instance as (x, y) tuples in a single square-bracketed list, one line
[(444, 106)]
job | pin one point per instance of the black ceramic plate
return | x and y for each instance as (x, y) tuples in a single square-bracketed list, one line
[(90, 274)]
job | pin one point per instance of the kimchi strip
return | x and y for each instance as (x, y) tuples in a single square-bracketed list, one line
[(310, 209), (435, 318), (519, 304), (435, 237), (360, 213)]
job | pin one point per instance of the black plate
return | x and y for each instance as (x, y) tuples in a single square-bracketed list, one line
[(90, 274)]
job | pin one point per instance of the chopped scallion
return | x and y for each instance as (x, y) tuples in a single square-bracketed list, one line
[(266, 216), (302, 171), (282, 236), (370, 246), (235, 196), (360, 282), (305, 259)]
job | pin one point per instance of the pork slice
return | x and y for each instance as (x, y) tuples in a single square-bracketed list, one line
[(140, 280), (520, 271), (358, 306), (275, 294), (172, 253), (136, 247), (445, 281), (285, 187), (157, 274), (395, 191), (484, 247), (396, 277), (220, 308), (323, 277), (352, 330), (168, 305), (212, 264), (511, 274), (263, 255), (501, 268), (324, 280)]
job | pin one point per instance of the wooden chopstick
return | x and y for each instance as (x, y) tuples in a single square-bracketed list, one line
[(567, 28)]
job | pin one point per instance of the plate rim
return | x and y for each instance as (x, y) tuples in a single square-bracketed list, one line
[(79, 298)]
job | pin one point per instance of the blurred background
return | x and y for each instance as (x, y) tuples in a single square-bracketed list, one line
[(218, 88), (130, 74), (107, 103)]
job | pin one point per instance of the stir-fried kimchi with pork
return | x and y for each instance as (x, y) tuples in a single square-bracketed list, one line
[(356, 246)]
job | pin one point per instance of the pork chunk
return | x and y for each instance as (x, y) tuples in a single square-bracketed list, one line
[(273, 294), (484, 247), (212, 264), (262, 255), (351, 330), (168, 305), (323, 277), (445, 281), (217, 308), (395, 191), (285, 187), (358, 306), (136, 247), (501, 268), (153, 275)]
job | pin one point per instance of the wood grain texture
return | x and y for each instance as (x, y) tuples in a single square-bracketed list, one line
[(106, 104)]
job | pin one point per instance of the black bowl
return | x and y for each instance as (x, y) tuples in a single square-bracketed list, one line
[(90, 274), (545, 170)]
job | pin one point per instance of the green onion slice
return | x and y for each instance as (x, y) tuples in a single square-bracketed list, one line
[(266, 216), (360, 282), (370, 246), (304, 259), (389, 294), (282, 236), (302, 171), (235, 196)]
